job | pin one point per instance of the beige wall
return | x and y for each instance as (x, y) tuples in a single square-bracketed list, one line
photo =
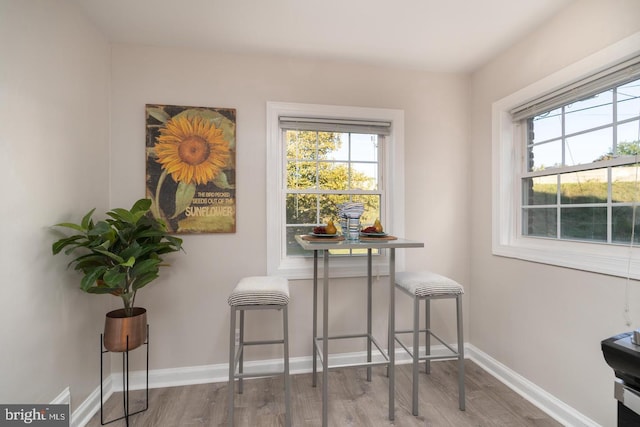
[(54, 99), (544, 322), (187, 307)]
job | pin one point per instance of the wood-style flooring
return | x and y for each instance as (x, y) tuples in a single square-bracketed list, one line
[(352, 402)]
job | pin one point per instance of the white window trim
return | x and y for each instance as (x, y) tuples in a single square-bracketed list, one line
[(302, 268), (507, 240)]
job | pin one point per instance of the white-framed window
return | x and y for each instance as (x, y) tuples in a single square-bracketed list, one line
[(318, 157), (566, 183), (580, 176)]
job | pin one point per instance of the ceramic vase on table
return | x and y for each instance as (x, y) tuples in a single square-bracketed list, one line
[(350, 214)]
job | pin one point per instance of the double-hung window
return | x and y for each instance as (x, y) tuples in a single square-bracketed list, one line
[(329, 163), (580, 175), (321, 157), (575, 175)]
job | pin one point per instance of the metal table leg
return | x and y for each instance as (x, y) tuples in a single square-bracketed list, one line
[(315, 319), (369, 310), (392, 327), (325, 340)]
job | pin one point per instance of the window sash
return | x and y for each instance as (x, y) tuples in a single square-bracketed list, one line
[(612, 76), (606, 200), (540, 219), (378, 192)]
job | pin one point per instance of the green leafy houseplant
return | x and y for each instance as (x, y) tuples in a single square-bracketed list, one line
[(120, 254)]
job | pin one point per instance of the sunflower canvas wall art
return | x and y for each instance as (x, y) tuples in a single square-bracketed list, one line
[(191, 170)]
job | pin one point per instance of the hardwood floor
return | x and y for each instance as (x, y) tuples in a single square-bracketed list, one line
[(352, 402)]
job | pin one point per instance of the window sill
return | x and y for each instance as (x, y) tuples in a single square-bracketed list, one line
[(302, 268), (621, 261)]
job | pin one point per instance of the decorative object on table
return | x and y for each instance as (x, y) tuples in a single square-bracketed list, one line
[(191, 167), (379, 237), (373, 230), (349, 214), (328, 230), (322, 238), (119, 256)]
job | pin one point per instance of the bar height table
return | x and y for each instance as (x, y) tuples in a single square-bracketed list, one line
[(369, 244)]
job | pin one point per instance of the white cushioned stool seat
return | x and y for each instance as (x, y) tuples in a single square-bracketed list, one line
[(260, 290), (427, 283)]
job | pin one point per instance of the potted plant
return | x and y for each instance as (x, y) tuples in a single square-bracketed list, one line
[(119, 256)]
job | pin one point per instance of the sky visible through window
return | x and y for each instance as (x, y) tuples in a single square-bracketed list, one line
[(363, 147), (364, 152), (588, 128)]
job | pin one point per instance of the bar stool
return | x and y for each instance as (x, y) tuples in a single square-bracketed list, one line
[(425, 285), (258, 293)]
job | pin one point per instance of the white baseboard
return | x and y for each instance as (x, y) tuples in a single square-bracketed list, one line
[(87, 409), (554, 407), (64, 398), (173, 377), (159, 378)]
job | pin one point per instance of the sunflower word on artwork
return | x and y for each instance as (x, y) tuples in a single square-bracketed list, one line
[(191, 168)]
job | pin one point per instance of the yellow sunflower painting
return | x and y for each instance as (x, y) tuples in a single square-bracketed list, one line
[(191, 167), (192, 149)]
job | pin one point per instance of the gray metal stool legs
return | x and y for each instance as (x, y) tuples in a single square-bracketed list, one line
[(257, 293), (425, 286)]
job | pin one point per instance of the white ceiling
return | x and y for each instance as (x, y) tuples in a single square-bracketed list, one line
[(435, 35)]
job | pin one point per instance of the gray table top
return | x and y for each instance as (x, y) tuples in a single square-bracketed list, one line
[(351, 244)]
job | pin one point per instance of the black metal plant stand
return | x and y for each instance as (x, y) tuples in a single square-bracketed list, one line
[(125, 382)]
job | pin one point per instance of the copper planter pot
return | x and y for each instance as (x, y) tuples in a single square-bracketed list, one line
[(117, 327)]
